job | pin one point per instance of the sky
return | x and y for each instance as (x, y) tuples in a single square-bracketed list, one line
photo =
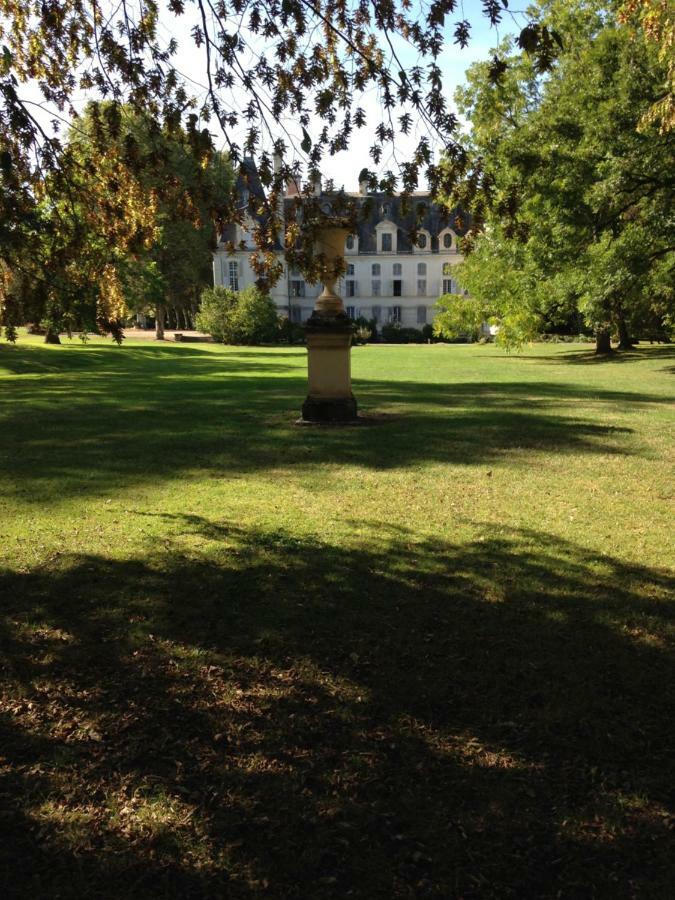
[(343, 168)]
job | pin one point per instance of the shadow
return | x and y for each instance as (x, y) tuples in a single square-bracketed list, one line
[(253, 714), (79, 421), (590, 357)]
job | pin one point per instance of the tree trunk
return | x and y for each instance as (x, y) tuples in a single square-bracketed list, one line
[(625, 342), (602, 342), (52, 336), (159, 322)]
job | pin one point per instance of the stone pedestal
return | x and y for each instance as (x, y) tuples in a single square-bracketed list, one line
[(330, 397), (329, 343)]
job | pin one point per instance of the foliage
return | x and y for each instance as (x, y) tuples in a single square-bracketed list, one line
[(582, 217), (290, 332), (238, 317), (366, 329), (394, 333), (264, 64), (215, 312), (654, 20), (362, 334), (129, 228), (459, 316)]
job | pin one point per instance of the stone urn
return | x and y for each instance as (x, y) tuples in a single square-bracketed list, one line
[(329, 340)]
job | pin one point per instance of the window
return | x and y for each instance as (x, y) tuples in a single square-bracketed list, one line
[(422, 269), (421, 315), (233, 275), (350, 242), (376, 287), (296, 314), (375, 270), (350, 268), (447, 268), (377, 314), (350, 312), (447, 285), (398, 287), (397, 269), (386, 243), (421, 287), (396, 314), (350, 288), (421, 241), (447, 240), (297, 288)]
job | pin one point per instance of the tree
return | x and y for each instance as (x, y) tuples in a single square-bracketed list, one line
[(185, 187), (458, 317), (579, 217), (312, 63), (245, 317), (130, 228)]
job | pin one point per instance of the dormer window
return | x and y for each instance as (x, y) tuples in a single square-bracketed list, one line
[(386, 236), (423, 242), (352, 244), (447, 240)]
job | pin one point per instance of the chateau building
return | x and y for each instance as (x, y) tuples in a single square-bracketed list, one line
[(388, 278)]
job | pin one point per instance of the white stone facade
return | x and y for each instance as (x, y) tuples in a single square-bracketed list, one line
[(387, 278)]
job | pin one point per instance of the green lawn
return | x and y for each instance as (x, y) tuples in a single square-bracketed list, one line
[(425, 657)]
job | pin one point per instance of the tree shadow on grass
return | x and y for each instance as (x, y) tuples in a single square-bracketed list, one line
[(106, 417), (255, 714), (590, 357)]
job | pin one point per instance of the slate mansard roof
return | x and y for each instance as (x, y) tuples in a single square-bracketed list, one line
[(376, 208)]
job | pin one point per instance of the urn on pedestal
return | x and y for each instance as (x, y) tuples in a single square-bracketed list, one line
[(329, 339)]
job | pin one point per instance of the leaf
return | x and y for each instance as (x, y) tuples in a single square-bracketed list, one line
[(528, 39), (556, 37), (306, 144)]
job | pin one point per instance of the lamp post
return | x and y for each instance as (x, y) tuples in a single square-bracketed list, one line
[(329, 339)]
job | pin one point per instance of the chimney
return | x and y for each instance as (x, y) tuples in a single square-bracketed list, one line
[(363, 188), (316, 185), (276, 162)]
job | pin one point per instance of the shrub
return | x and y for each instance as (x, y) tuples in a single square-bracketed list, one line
[(244, 317), (362, 325), (255, 318), (291, 332), (395, 334), (361, 335)]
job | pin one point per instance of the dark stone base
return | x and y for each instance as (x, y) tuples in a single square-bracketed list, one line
[(327, 412), (319, 321)]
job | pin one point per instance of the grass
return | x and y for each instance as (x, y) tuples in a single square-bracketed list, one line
[(427, 657)]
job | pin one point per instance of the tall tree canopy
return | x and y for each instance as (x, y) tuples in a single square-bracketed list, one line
[(264, 62), (129, 226), (579, 217)]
